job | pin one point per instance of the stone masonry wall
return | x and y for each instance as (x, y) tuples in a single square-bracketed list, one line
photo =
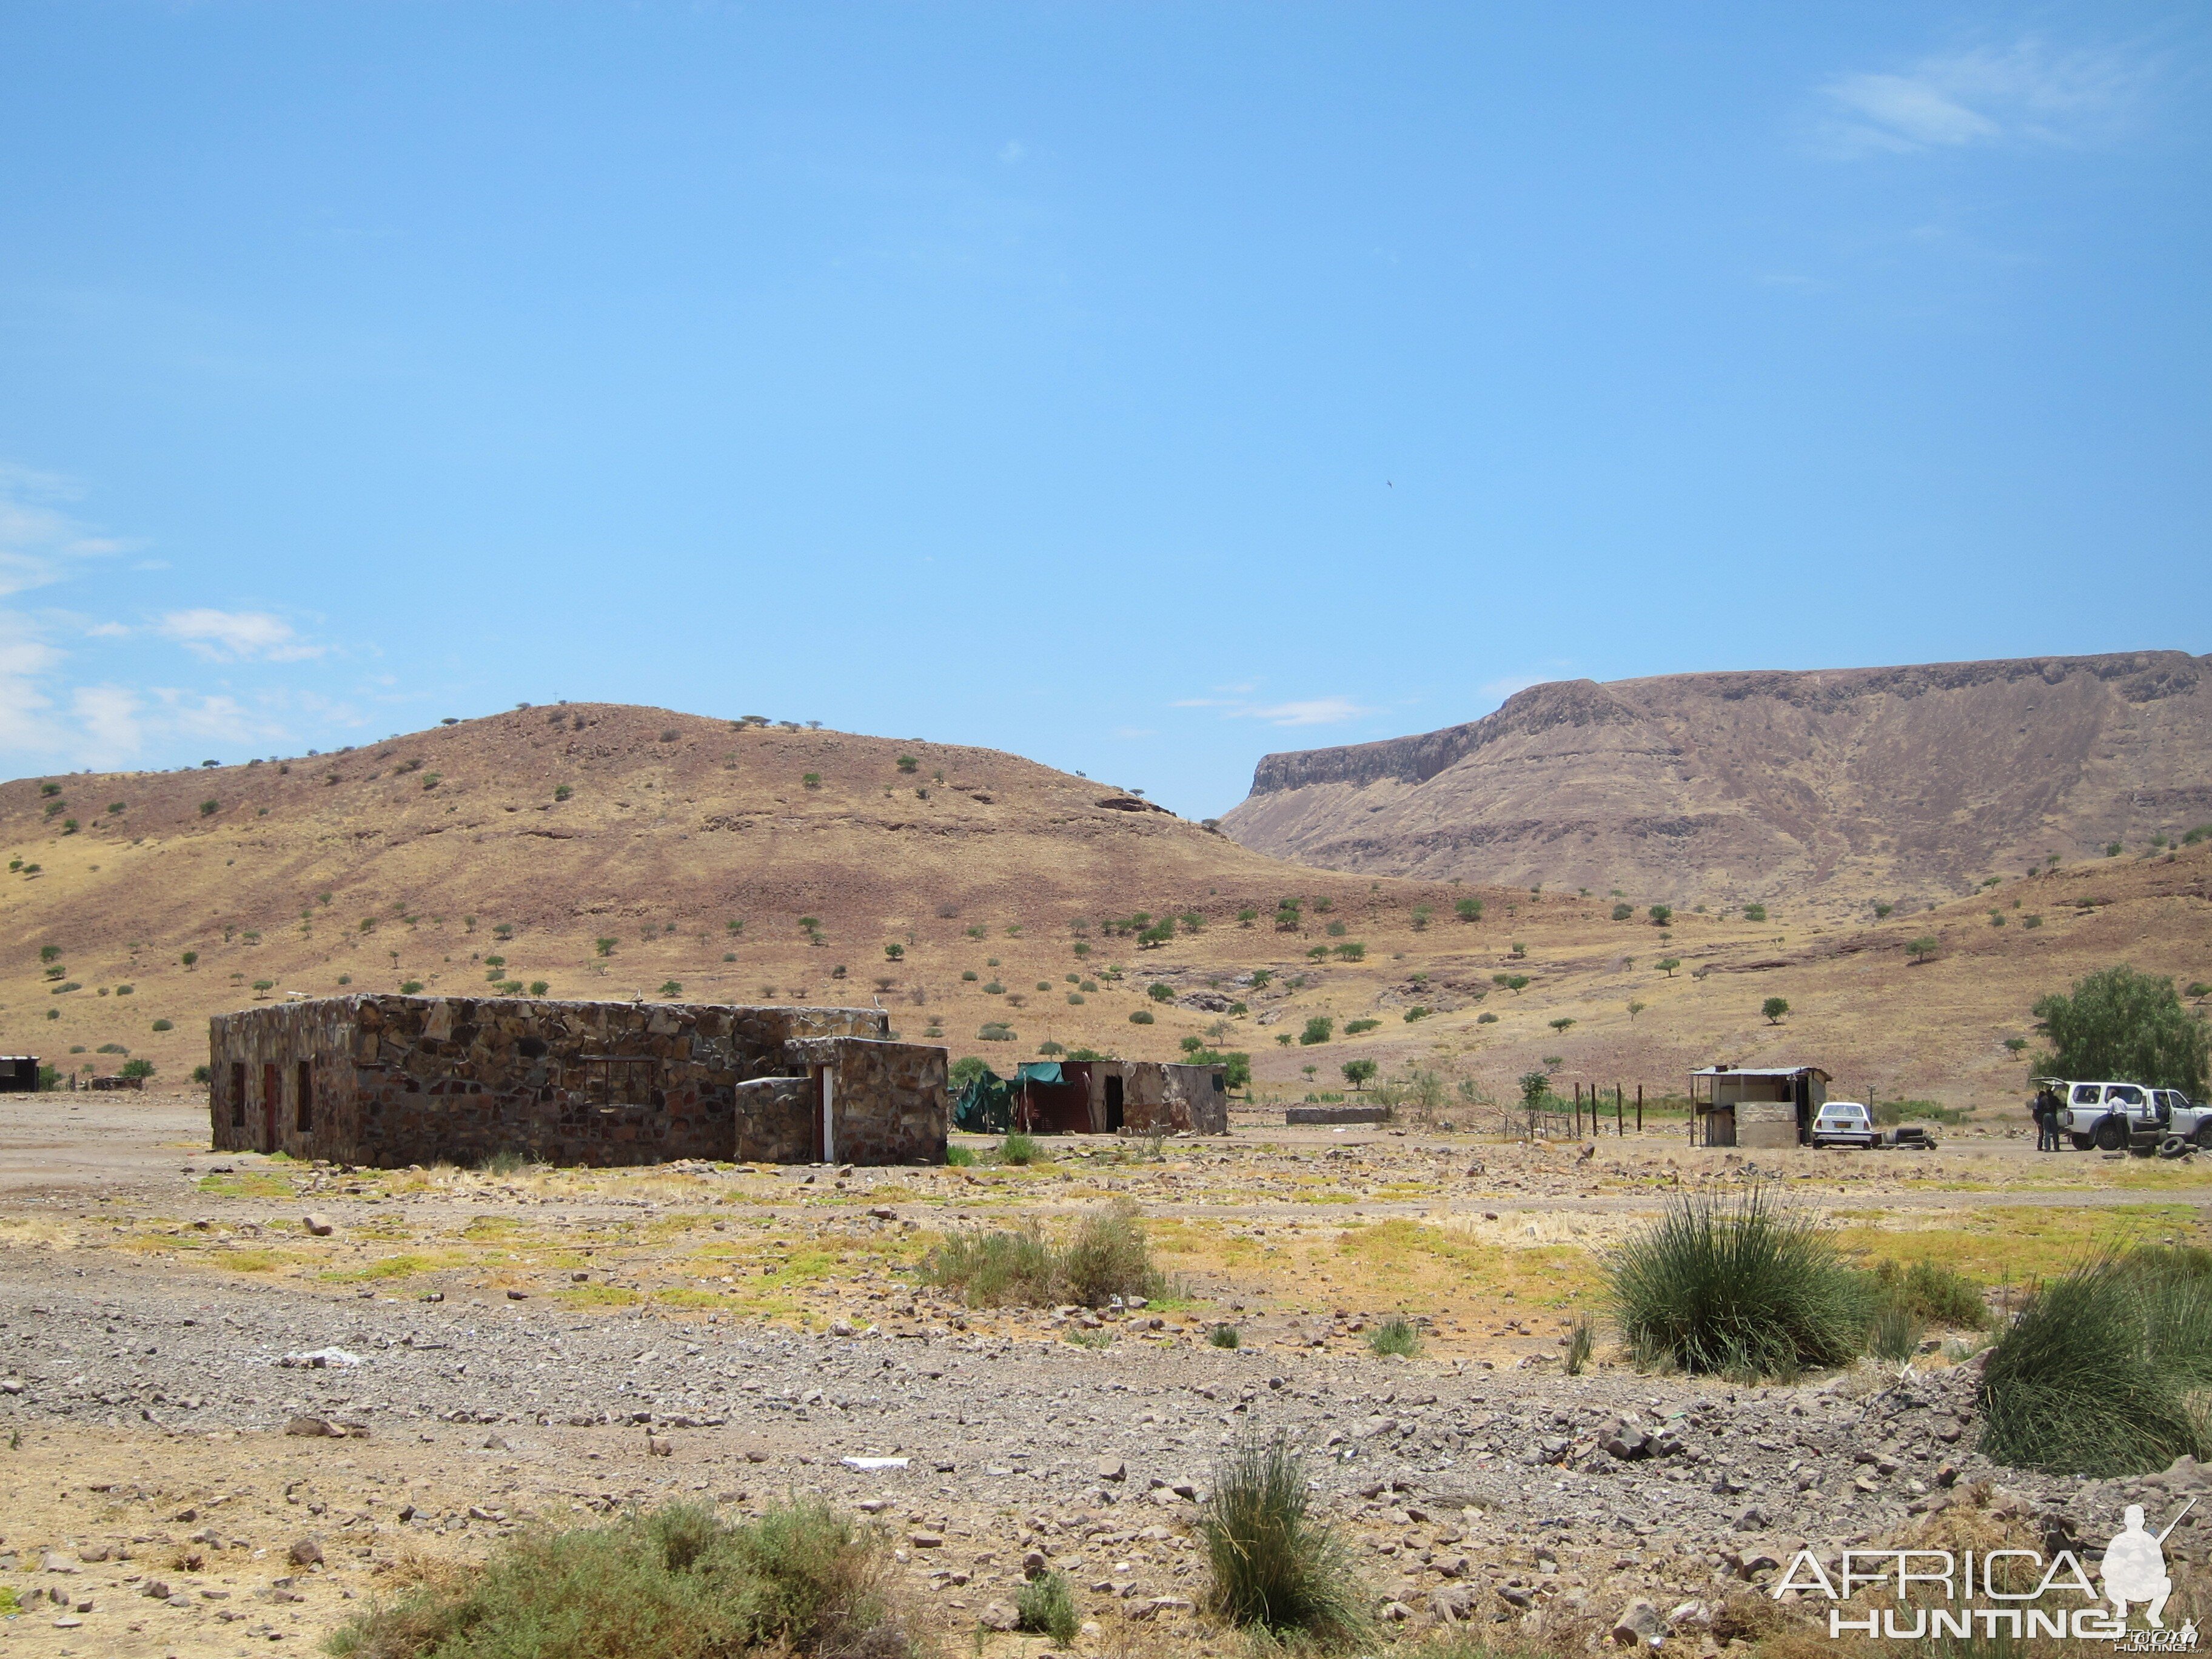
[(890, 1104)]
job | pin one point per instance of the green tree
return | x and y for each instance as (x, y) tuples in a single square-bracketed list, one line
[(909, 764), (1623, 912), (1922, 948), (1516, 983), (1160, 993), (1634, 1009), (894, 953), (1754, 913), (1561, 1024), (1661, 915), (138, 1068), (1667, 965), (1247, 916), (2127, 1027), (604, 946), (1467, 910), (1358, 1072), (1535, 1088), (1774, 1008), (1319, 1028)]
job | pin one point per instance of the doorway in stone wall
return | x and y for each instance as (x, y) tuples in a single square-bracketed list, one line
[(270, 1087)]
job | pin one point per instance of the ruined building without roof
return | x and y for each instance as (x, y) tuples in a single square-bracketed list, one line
[(394, 1080)]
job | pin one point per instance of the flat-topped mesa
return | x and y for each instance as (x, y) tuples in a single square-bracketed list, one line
[(394, 1080), (1892, 782)]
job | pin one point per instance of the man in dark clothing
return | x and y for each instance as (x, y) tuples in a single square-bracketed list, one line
[(2046, 1122)]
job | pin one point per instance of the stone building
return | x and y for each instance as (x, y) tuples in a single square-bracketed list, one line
[(394, 1080)]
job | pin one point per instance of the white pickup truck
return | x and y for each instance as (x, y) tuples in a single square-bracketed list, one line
[(2113, 1117)]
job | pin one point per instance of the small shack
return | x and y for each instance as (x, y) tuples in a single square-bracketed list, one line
[(1097, 1097), (1755, 1105), (18, 1074)]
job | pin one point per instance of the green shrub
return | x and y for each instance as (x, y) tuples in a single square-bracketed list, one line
[(408, 987), (209, 808), (1159, 993), (2116, 1022), (669, 988), (1754, 913), (1396, 1335), (1661, 915), (1582, 1339), (1223, 1336), (1895, 1333), (1354, 1027), (1046, 1604), (1936, 1294), (1017, 1148), (199, 1074), (164, 1025), (960, 1157), (994, 1031), (1319, 1028), (1274, 1568), (1741, 1287), (1108, 1257), (995, 989), (2094, 1378), (1467, 910), (1142, 1016), (675, 1583)]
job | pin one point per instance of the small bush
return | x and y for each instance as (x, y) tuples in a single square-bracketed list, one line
[(1396, 1335), (1754, 913), (1895, 1333), (1581, 1341), (1936, 1294), (1017, 1148), (995, 1031), (209, 808), (1142, 1016), (1108, 1257), (408, 987), (1274, 1568), (1739, 1288), (960, 1157), (1319, 1028), (1223, 1336), (164, 1025), (675, 1582), (1354, 1027), (669, 988), (1046, 1604)]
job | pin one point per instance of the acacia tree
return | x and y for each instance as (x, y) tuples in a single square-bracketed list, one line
[(2128, 1027), (1358, 1072), (1774, 1008)]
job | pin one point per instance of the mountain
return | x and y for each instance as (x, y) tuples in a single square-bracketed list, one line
[(1837, 787), (619, 851)]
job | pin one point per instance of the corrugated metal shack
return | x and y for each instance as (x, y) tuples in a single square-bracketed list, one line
[(1098, 1097), (1755, 1105)]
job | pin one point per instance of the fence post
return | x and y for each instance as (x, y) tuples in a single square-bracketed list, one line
[(1618, 1127), (1639, 1108)]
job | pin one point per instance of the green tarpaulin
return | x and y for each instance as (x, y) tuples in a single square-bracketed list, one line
[(983, 1108), (1043, 1071)]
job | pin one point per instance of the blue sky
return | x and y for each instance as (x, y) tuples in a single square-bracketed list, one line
[(1138, 387)]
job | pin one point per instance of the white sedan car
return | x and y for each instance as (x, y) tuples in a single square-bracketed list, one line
[(1844, 1123)]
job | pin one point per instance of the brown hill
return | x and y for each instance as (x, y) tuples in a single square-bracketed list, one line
[(1840, 787), (451, 858)]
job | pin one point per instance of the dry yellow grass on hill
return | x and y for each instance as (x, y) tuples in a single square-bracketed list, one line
[(613, 852)]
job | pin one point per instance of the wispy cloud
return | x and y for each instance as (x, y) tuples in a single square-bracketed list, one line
[(40, 537), (2029, 93), (237, 635), (1500, 689), (1311, 711)]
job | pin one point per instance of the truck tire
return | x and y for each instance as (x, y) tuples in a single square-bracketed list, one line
[(2083, 1143), (2175, 1146), (2110, 1134), (2204, 1135)]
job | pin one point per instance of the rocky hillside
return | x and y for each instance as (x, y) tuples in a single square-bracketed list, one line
[(1837, 787)]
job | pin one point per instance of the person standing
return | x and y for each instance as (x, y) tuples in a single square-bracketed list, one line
[(2046, 1122)]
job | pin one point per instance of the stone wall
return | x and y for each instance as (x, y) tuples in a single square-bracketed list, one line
[(776, 1120), (889, 1103), (399, 1080)]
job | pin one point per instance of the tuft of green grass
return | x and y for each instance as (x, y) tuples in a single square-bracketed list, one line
[(1274, 1568), (1017, 1148), (2101, 1373), (1396, 1335), (675, 1582), (505, 1161), (1225, 1336), (1581, 1341), (959, 1157), (1936, 1295), (1046, 1604), (1743, 1288), (1106, 1256), (1895, 1333)]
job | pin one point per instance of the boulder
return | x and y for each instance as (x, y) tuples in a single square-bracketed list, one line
[(1639, 1624)]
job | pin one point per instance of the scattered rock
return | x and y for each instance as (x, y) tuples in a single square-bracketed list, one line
[(317, 1224), (1639, 1623), (304, 1552)]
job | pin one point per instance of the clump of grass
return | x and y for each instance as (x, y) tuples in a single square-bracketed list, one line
[(1017, 1148), (1581, 1341), (1047, 1605), (2095, 1376), (1895, 1333), (1936, 1295), (1274, 1567), (1106, 1256), (1396, 1335), (995, 1270), (505, 1162), (672, 1584), (1742, 1288), (1223, 1336), (960, 1157)]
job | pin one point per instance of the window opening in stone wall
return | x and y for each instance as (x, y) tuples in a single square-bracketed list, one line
[(306, 1092), (623, 1079), (238, 1094)]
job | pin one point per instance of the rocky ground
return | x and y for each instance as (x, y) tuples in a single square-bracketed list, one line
[(225, 1428)]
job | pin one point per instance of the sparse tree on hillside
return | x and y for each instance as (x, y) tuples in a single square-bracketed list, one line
[(1774, 1008), (1467, 910), (1667, 965), (1623, 912), (1358, 1072), (1922, 948), (1634, 1009), (1661, 915)]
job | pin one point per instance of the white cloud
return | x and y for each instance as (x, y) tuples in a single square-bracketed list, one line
[(2025, 93), (1313, 711), (39, 536), (237, 635)]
